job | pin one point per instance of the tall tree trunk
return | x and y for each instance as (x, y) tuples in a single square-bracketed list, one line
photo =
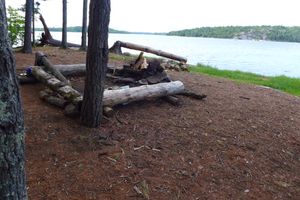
[(27, 36), (64, 29), (33, 23), (96, 63), (84, 25), (12, 169)]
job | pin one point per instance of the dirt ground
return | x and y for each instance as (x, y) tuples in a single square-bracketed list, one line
[(242, 142)]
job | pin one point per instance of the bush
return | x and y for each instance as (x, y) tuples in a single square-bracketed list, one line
[(16, 26)]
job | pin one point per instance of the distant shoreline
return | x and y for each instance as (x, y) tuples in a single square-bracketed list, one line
[(267, 33), (77, 29)]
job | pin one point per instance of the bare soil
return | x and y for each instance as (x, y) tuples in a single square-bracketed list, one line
[(242, 142)]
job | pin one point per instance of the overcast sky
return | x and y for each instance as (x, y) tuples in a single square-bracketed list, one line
[(168, 15)]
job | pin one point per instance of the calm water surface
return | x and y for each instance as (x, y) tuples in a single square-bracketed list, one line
[(262, 57)]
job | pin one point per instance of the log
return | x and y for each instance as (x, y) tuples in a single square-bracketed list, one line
[(121, 96), (172, 100), (23, 79), (118, 44), (110, 97), (120, 79), (193, 95), (72, 70), (69, 93), (48, 39), (42, 60), (108, 111), (65, 70)]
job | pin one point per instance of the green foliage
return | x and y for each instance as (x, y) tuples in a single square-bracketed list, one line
[(16, 24), (283, 83), (274, 33)]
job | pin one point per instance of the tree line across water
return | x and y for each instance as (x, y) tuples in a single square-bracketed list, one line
[(273, 33)]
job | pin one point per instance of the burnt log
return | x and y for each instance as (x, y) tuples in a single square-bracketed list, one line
[(116, 48)]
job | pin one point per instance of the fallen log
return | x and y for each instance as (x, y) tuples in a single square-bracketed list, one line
[(193, 95), (48, 39), (53, 100), (69, 93), (72, 70), (172, 100), (24, 79), (116, 48), (114, 97)]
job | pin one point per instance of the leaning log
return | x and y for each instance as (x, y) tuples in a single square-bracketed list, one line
[(42, 60), (48, 39), (116, 48)]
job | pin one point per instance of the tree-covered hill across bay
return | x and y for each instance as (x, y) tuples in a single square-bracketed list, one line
[(77, 29), (273, 33)]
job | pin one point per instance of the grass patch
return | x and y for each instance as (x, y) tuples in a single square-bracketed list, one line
[(283, 83)]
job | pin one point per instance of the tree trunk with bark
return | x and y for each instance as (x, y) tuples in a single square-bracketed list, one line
[(33, 23), (84, 26), (12, 167), (27, 36), (96, 63), (64, 44)]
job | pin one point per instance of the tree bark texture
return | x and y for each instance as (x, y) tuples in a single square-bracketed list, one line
[(33, 23), (12, 168), (27, 36), (96, 61), (64, 26), (84, 25)]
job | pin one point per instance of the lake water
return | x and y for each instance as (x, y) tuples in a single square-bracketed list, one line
[(261, 57)]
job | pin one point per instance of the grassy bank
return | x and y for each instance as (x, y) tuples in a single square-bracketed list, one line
[(283, 83)]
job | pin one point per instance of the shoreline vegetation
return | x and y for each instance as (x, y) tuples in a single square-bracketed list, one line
[(78, 29), (282, 83), (269, 33)]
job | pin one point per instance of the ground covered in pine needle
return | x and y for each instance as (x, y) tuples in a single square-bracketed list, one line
[(241, 142)]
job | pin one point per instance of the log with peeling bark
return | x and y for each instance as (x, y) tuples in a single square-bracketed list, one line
[(116, 48), (42, 60), (115, 97), (69, 93), (48, 39)]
